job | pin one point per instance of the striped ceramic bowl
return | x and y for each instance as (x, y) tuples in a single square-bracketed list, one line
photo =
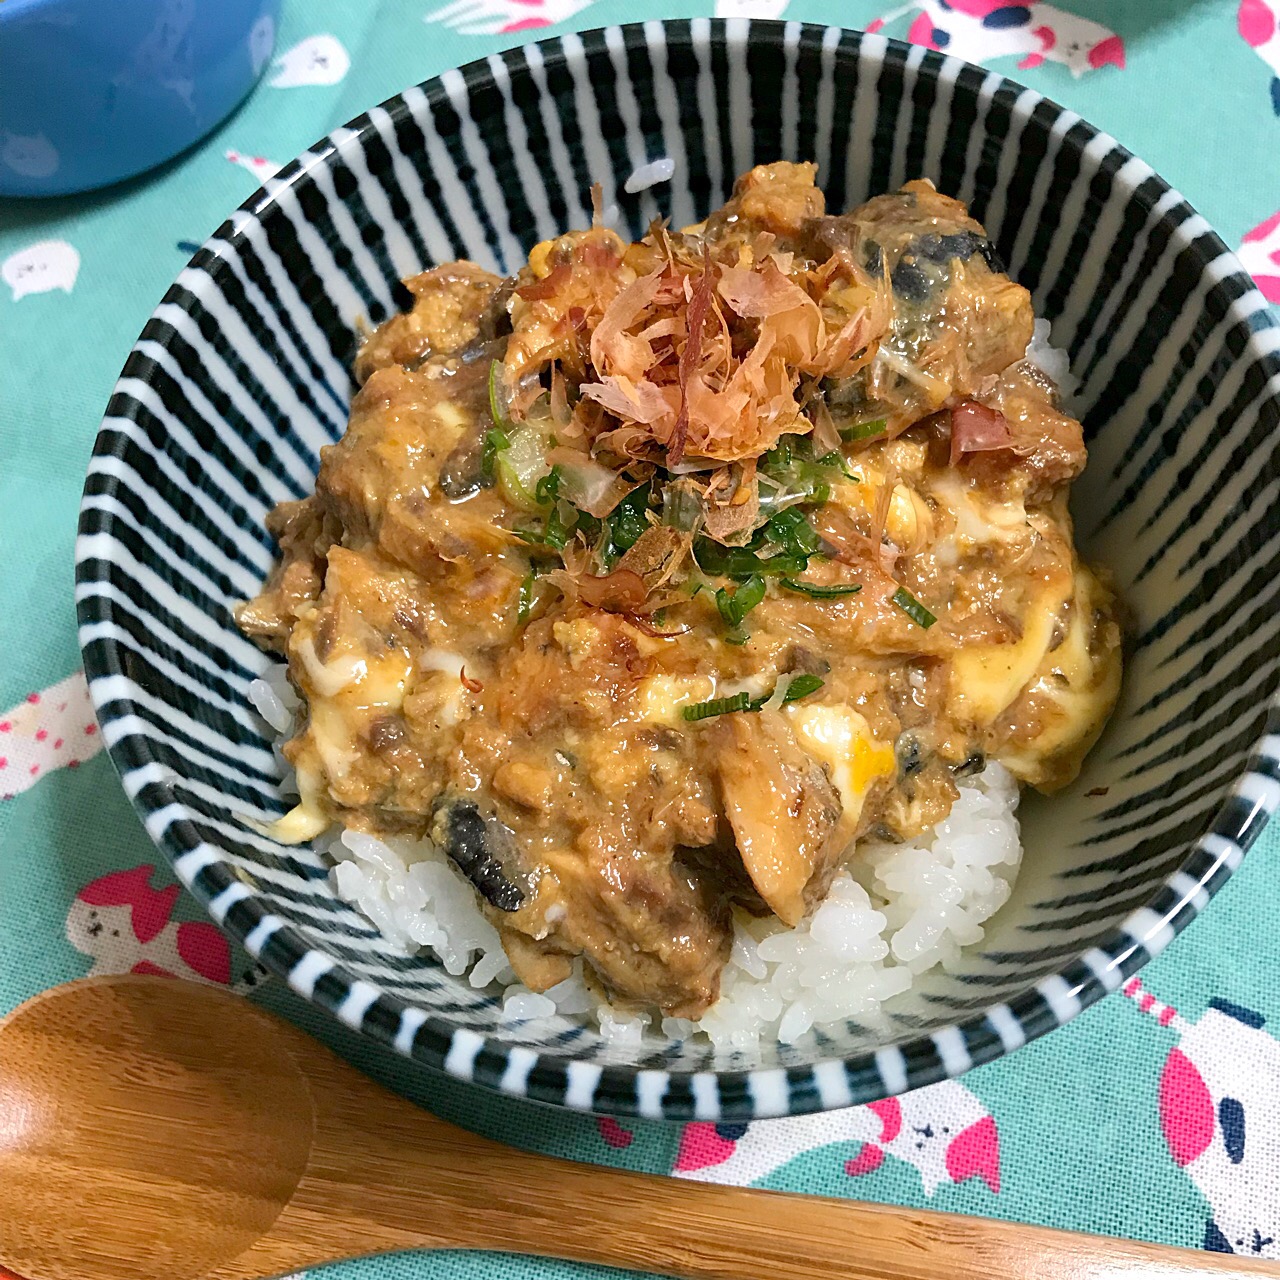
[(242, 375)]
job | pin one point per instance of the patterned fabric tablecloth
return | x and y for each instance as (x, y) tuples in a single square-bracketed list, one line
[(1133, 1120)]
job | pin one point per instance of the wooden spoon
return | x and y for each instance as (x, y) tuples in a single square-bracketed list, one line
[(157, 1130)]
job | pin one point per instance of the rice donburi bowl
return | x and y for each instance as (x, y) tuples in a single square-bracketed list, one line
[(673, 623)]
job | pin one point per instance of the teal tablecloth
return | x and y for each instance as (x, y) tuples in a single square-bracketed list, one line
[(1119, 1123)]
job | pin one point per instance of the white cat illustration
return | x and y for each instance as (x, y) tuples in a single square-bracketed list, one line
[(942, 1130), (1220, 1113), (315, 60), (41, 268)]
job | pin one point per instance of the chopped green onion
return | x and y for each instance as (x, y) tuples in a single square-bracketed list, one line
[(864, 430), (800, 686), (836, 459), (820, 592), (791, 530), (556, 533), (913, 608), (779, 457), (740, 562), (589, 527), (734, 607), (520, 464), (717, 707), (526, 595), (681, 507), (736, 636), (553, 534), (624, 525), (495, 441), (500, 419), (798, 476), (548, 488)]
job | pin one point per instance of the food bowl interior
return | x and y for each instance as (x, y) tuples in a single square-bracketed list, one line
[(243, 376)]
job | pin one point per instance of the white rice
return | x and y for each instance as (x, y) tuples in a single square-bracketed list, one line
[(894, 912), (1052, 360), (653, 174)]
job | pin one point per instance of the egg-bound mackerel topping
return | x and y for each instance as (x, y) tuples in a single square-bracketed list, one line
[(646, 582)]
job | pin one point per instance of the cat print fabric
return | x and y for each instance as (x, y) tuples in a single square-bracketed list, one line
[(1259, 23), (943, 1131), (41, 268), (982, 31), (1260, 254), (1155, 1115), (317, 60), (1219, 1100), (124, 925)]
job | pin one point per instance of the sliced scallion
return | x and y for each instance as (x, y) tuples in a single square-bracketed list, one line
[(791, 530), (500, 419), (913, 608), (818, 592), (624, 525), (526, 595), (495, 441), (548, 488), (681, 507), (717, 707), (734, 607), (836, 460), (800, 686), (864, 430)]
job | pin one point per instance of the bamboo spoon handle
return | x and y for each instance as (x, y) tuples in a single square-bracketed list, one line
[(721, 1233), (384, 1176), (156, 1130)]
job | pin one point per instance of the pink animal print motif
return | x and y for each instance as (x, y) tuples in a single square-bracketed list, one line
[(1219, 1101), (1260, 255), (492, 17), (1259, 24), (124, 926), (981, 30), (49, 729), (943, 1131)]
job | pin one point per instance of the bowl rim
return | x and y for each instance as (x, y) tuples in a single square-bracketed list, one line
[(735, 1094)]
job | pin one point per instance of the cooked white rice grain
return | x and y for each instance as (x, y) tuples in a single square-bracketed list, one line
[(653, 174), (1053, 360), (270, 705)]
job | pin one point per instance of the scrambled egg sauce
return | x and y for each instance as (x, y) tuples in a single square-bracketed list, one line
[(646, 583)]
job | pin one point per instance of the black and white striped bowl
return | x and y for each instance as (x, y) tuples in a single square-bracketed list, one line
[(242, 375)]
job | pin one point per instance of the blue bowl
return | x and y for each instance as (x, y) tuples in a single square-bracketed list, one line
[(93, 92)]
